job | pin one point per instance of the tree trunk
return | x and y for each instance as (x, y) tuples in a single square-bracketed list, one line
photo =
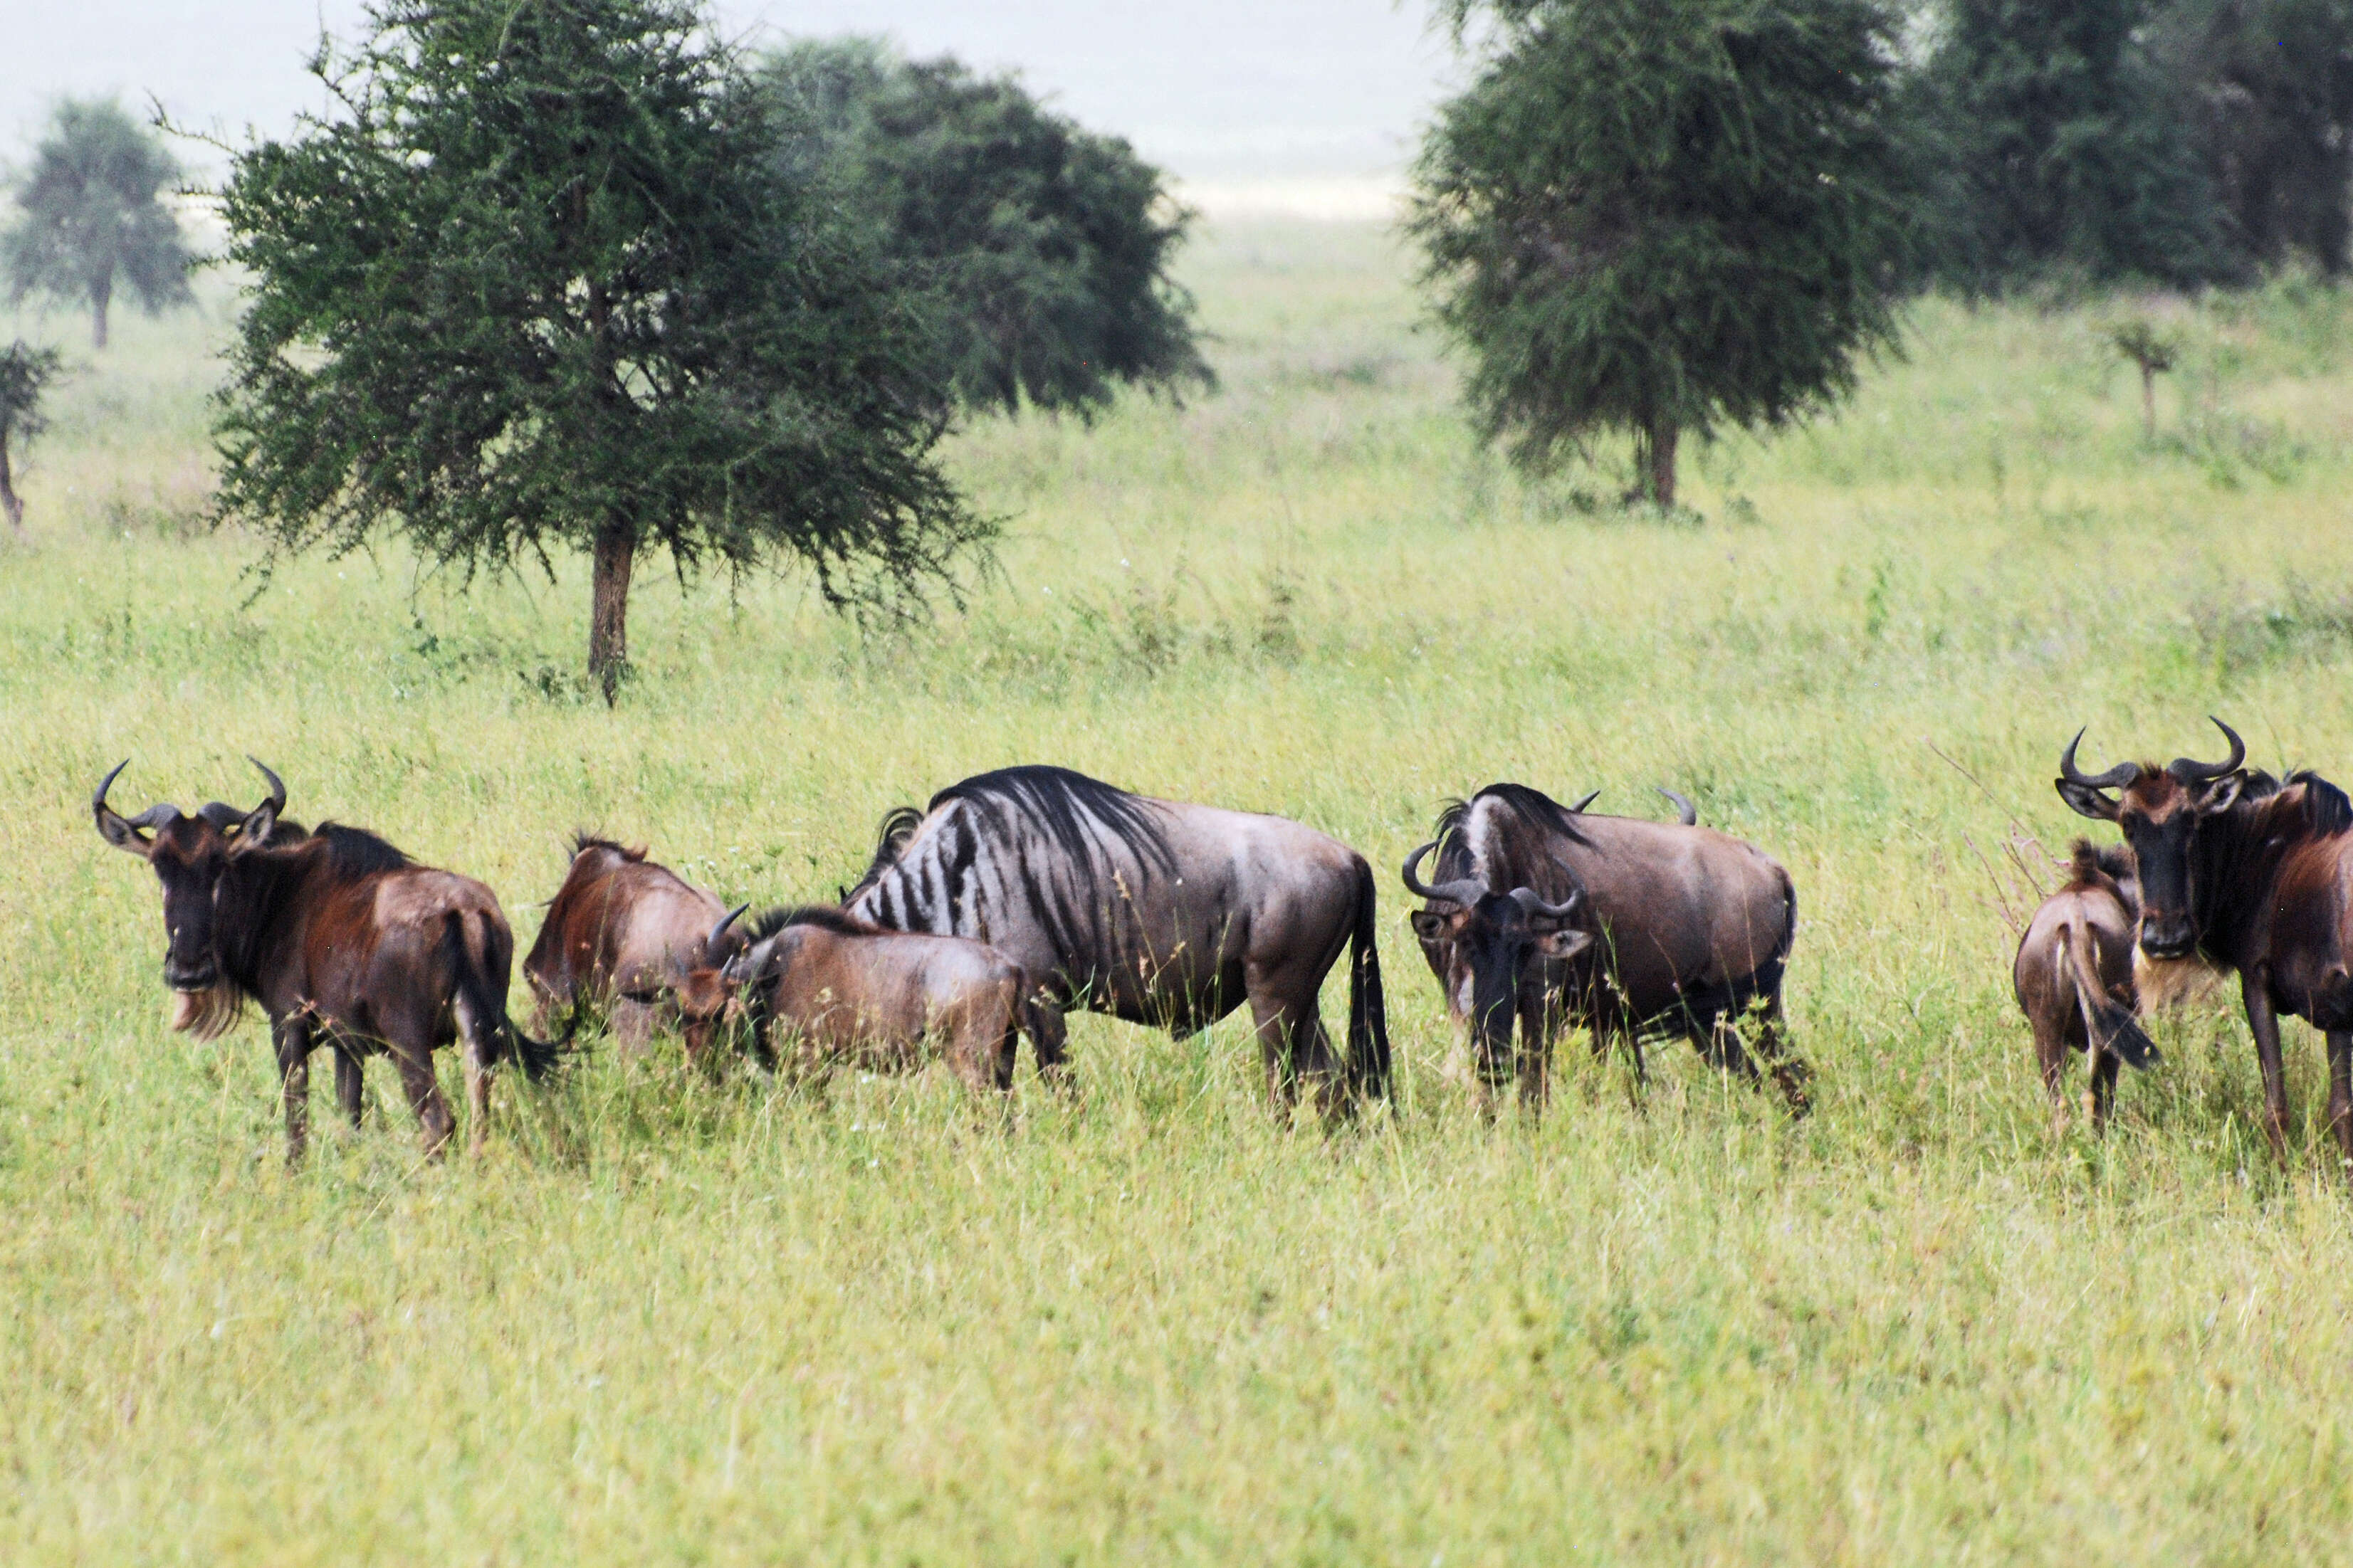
[(2149, 405), (8, 502), (1654, 456), (101, 293), (609, 614)]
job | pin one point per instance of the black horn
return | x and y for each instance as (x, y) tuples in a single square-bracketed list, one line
[(1534, 903), (1684, 808), (2115, 777), (711, 942), (1464, 891), (1578, 808), (98, 802), (2190, 771), (277, 801)]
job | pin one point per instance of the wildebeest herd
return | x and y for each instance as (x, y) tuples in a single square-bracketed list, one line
[(1018, 895)]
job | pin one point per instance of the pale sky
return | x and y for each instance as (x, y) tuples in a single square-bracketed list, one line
[(1231, 92)]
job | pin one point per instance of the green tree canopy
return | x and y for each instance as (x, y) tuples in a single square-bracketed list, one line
[(1040, 249), (1663, 216), (548, 280), (92, 215), (2058, 144), (25, 373)]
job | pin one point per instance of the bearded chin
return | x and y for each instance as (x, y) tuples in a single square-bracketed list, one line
[(2163, 982), (206, 1015)]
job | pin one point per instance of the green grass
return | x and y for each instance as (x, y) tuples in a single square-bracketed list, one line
[(669, 1320)]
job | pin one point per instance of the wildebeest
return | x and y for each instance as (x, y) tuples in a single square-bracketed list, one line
[(341, 939), (2247, 873), (1153, 910), (852, 993), (620, 934), (1545, 917), (2074, 977)]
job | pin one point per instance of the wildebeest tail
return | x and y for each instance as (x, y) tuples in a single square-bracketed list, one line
[(472, 963), (1368, 1027), (2108, 1024)]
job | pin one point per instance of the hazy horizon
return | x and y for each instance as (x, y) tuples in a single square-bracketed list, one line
[(1223, 93)]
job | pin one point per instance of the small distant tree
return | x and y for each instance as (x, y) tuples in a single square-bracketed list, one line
[(25, 373), (2152, 352), (93, 217), (549, 278), (1040, 249), (1662, 217)]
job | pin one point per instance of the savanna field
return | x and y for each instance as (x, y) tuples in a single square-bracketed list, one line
[(671, 1317)]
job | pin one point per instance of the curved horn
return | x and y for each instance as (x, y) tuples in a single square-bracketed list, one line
[(711, 942), (1463, 890), (2115, 777), (1534, 902), (277, 801), (1578, 809), (2189, 771), (1684, 808), (98, 802)]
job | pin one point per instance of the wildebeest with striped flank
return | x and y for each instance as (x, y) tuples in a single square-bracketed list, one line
[(1155, 912), (2074, 978), (620, 935), (1542, 917), (2241, 871), (341, 939)]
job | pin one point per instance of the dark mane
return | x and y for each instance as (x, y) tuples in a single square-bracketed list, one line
[(353, 852), (1060, 803), (584, 841), (2091, 862), (1532, 806), (829, 917), (2326, 811)]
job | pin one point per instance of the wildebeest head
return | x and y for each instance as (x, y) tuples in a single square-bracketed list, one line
[(2161, 810), (706, 990), (190, 855), (1494, 936)]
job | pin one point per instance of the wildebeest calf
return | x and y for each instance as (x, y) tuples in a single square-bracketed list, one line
[(2074, 978), (620, 935), (853, 994), (344, 941)]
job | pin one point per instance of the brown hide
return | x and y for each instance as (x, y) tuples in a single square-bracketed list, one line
[(2073, 976), (847, 992), (342, 939), (620, 936)]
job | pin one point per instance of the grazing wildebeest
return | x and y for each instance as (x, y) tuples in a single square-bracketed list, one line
[(1153, 910), (620, 934), (852, 993), (2244, 872), (341, 939), (1683, 930), (2074, 978)]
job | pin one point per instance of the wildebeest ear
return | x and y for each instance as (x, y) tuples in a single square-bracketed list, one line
[(2087, 801), (1567, 942), (1430, 925), (2222, 794), (254, 832)]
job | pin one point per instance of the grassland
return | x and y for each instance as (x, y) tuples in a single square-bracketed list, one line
[(669, 1320)]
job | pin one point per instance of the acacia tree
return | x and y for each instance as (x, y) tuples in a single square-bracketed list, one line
[(25, 373), (547, 279), (1040, 249), (1662, 217), (92, 215)]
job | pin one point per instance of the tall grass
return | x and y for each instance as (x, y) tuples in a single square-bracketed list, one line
[(673, 1319)]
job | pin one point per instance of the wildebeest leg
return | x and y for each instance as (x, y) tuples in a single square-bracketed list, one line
[(350, 1085), (1276, 1030), (2050, 1061), (2340, 1094), (1537, 1032), (1050, 1038), (1790, 1073), (292, 1039), (476, 1045), (434, 1122), (2262, 1021), (2105, 1064), (632, 1025)]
